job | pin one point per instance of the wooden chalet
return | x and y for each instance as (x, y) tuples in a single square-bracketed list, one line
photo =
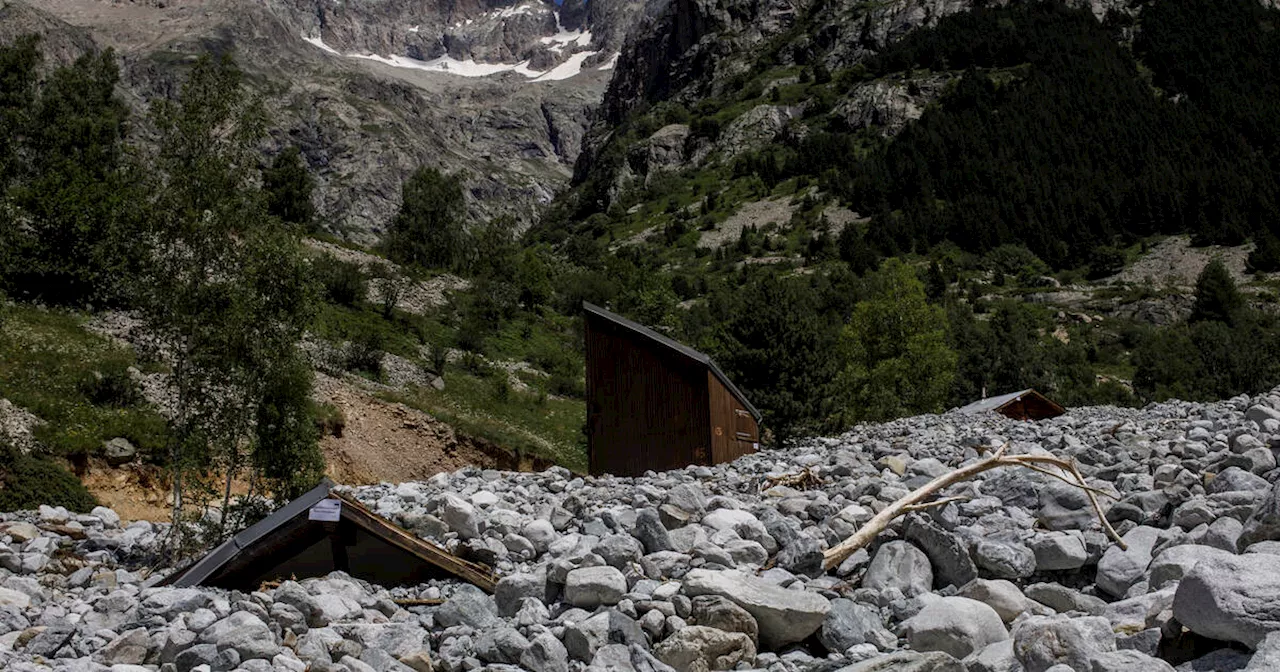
[(655, 404), (318, 533), (1023, 405)]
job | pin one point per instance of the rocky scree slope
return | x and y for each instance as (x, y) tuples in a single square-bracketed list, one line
[(720, 567), (372, 91)]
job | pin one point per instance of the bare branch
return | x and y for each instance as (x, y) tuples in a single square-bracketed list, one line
[(917, 499)]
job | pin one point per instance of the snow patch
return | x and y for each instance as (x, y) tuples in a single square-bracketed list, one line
[(567, 69), (319, 42), (444, 64), (415, 29), (566, 38), (610, 63)]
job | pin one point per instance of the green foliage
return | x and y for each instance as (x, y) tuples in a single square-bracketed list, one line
[(17, 92), (1265, 257), (342, 282), (111, 385), (363, 353), (428, 229), (230, 291), (75, 381), (288, 186), (82, 236), (285, 449), (28, 481), (1216, 298), (898, 360), (1105, 260), (1209, 359), (781, 351), (1004, 159), (329, 419)]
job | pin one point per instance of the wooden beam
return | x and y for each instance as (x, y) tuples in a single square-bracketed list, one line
[(475, 573)]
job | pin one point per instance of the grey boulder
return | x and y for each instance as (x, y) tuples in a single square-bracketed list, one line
[(784, 616), (1231, 598), (958, 626)]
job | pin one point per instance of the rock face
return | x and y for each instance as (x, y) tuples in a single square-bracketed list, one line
[(1231, 598), (784, 616), (369, 92)]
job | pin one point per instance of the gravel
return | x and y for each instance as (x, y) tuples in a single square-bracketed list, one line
[(702, 568)]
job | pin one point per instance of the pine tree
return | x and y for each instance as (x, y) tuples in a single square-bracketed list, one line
[(1217, 298), (428, 230), (288, 186), (783, 353)]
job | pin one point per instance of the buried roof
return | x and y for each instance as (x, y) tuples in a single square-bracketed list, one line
[(320, 532), (1022, 405)]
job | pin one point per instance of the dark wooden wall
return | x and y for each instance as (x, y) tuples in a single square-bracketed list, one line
[(647, 406), (1031, 407), (734, 432)]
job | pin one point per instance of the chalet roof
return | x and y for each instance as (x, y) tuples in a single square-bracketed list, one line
[(1000, 401), (678, 347), (256, 538)]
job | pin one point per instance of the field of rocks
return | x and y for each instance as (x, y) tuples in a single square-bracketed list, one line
[(717, 568)]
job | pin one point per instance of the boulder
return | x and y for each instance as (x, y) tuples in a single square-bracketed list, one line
[(1057, 551), (1119, 568), (698, 648), (1002, 596), (1231, 598), (1263, 523), (721, 613), (850, 623), (908, 661), (1040, 642), (784, 616), (1004, 560), (1127, 661), (950, 560), (900, 565), (1172, 563), (243, 633), (590, 587), (545, 654), (955, 625)]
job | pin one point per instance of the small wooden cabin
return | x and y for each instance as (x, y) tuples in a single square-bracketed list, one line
[(653, 403), (1023, 405), (322, 531)]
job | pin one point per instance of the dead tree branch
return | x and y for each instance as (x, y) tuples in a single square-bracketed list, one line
[(918, 498)]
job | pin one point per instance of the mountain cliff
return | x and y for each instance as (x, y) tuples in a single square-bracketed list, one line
[(370, 91)]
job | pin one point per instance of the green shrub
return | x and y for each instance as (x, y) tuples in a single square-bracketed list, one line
[(329, 419), (111, 385), (364, 353), (343, 282), (27, 481)]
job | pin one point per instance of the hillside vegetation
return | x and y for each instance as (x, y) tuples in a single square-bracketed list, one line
[(944, 218)]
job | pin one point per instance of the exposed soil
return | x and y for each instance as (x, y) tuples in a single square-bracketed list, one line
[(390, 442), (136, 492)]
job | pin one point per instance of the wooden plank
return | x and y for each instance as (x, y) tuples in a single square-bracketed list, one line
[(474, 573)]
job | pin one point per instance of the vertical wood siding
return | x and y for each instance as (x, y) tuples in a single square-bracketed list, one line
[(647, 406), (733, 429)]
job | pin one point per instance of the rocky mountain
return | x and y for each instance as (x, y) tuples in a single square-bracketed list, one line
[(370, 91), (710, 568)]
